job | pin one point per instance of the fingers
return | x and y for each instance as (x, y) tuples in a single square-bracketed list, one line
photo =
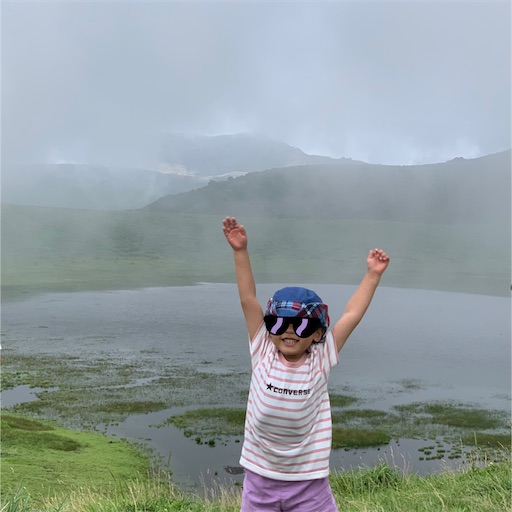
[(229, 223), (379, 254)]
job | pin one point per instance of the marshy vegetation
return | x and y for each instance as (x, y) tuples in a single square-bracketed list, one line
[(464, 427), (82, 391), (46, 467), (71, 384)]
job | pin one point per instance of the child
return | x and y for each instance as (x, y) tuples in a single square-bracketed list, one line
[(288, 429)]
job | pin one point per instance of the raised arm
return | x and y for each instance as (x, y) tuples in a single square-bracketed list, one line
[(377, 262), (237, 238)]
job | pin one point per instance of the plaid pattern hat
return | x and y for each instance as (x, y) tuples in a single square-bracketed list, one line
[(297, 301)]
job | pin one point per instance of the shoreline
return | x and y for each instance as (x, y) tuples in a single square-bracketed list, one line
[(15, 292)]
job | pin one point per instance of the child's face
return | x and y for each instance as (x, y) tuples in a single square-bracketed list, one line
[(292, 346)]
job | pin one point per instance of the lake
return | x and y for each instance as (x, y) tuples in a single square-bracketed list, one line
[(412, 346)]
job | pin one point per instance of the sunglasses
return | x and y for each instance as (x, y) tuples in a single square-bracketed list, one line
[(303, 327)]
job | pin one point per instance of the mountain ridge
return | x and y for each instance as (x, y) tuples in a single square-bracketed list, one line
[(182, 163), (234, 153), (457, 191), (193, 164)]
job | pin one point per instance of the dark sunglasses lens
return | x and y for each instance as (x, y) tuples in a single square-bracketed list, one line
[(303, 327), (276, 324)]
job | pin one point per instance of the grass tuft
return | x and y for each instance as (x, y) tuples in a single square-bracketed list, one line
[(211, 421), (342, 400), (358, 438), (491, 440), (459, 416), (18, 431), (367, 480)]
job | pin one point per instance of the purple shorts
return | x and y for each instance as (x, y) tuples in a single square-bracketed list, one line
[(266, 494)]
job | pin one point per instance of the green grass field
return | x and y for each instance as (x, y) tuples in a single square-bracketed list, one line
[(49, 249), (48, 459)]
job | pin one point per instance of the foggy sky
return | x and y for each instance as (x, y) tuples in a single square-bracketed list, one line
[(384, 82)]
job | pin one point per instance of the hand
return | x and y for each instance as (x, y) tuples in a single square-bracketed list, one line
[(377, 261), (235, 233)]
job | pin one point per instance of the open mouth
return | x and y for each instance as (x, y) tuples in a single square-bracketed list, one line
[(289, 342)]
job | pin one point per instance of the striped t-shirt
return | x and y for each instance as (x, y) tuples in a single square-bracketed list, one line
[(288, 428)]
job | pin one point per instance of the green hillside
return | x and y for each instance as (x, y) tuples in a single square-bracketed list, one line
[(459, 191), (64, 249)]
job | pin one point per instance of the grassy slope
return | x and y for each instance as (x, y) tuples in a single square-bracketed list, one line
[(459, 191), (63, 249), (46, 458)]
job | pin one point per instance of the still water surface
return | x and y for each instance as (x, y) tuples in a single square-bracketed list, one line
[(451, 346)]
